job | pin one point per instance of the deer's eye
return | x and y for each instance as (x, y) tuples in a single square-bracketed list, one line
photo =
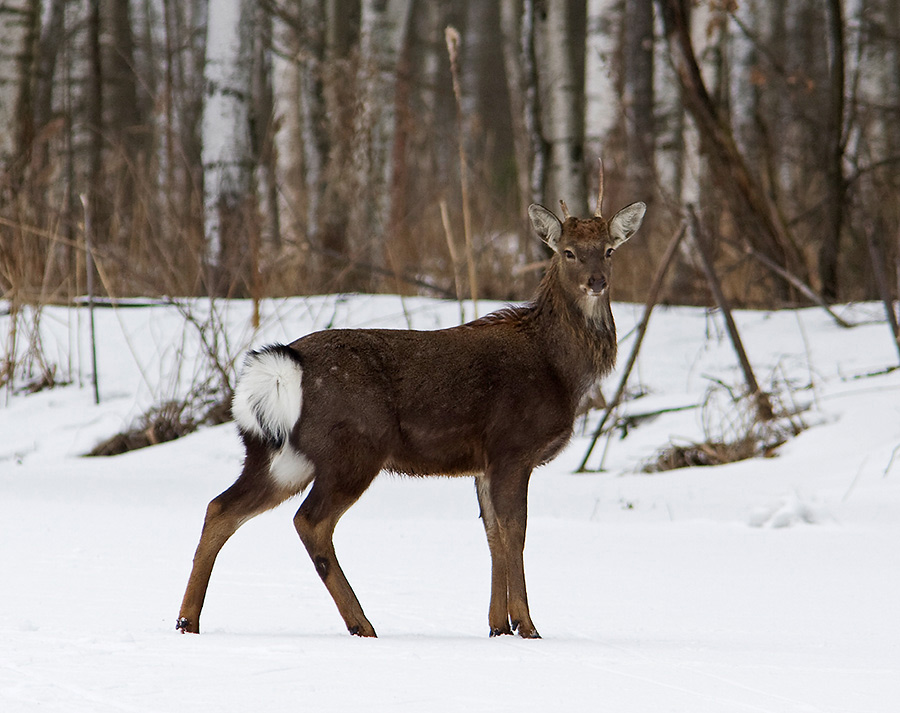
[(569, 254), (609, 252)]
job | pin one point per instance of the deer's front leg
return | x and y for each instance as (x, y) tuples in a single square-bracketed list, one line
[(509, 498)]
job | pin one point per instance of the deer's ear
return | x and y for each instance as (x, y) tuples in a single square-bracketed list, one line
[(546, 225), (625, 223)]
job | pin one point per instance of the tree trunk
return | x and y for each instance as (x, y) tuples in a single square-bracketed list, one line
[(639, 98), (383, 30), (563, 89), (833, 200), (517, 22), (763, 228), (263, 128), (52, 38), (227, 154), (123, 129), (19, 22), (602, 101), (94, 116)]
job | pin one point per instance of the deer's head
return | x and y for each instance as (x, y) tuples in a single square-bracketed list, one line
[(584, 248)]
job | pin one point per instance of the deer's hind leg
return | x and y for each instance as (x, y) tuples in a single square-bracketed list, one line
[(335, 489), (251, 494)]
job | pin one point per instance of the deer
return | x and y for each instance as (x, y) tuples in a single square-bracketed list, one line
[(492, 398)]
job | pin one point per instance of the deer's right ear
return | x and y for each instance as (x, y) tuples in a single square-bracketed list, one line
[(546, 225)]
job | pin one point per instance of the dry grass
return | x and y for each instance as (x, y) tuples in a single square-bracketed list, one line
[(733, 433), (163, 423)]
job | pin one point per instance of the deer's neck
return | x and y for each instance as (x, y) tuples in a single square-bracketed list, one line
[(580, 331)]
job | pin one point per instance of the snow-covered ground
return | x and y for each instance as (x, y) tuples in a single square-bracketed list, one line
[(767, 585)]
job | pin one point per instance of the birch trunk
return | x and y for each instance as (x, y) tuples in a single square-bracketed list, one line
[(227, 156), (602, 102), (727, 165), (263, 128), (383, 27), (563, 88), (517, 27), (638, 101), (19, 23)]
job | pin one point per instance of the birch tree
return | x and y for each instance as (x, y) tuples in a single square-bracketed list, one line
[(562, 78), (185, 41), (383, 28), (227, 155), (749, 205), (602, 101), (19, 23), (638, 100), (517, 22)]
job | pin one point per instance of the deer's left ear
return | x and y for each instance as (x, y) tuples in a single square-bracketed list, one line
[(625, 223), (546, 225)]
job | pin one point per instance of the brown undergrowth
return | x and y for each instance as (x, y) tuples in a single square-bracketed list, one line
[(733, 431)]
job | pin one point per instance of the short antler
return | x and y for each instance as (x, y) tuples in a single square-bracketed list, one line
[(598, 213), (565, 209)]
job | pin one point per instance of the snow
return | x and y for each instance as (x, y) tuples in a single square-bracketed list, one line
[(765, 585)]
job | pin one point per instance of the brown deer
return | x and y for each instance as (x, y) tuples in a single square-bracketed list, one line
[(492, 398)]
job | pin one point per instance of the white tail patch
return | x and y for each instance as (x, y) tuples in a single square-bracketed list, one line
[(291, 469), (268, 396)]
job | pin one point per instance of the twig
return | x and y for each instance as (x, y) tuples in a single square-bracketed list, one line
[(350, 263), (856, 478), (891, 461), (799, 284), (451, 35), (763, 405), (529, 267), (454, 258), (881, 283), (89, 268)]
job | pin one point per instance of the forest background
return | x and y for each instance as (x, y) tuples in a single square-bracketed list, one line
[(272, 147)]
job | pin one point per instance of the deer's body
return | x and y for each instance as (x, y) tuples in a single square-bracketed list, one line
[(492, 398)]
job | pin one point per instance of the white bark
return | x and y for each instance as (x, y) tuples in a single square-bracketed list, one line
[(16, 17), (602, 103), (383, 27), (288, 92), (692, 164), (226, 121), (671, 140), (564, 127)]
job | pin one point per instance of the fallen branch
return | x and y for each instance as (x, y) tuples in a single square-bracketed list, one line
[(763, 405), (796, 282)]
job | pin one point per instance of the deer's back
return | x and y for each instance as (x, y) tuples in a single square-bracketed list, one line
[(434, 402)]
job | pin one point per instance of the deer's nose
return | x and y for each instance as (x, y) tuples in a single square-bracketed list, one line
[(596, 284)]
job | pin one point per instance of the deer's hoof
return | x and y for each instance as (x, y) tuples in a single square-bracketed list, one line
[(526, 632), (363, 631), (186, 626)]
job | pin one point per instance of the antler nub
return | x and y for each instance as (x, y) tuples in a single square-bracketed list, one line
[(598, 213), (565, 209)]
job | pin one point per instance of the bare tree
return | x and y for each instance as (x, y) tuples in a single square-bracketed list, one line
[(638, 101), (833, 198), (749, 205)]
